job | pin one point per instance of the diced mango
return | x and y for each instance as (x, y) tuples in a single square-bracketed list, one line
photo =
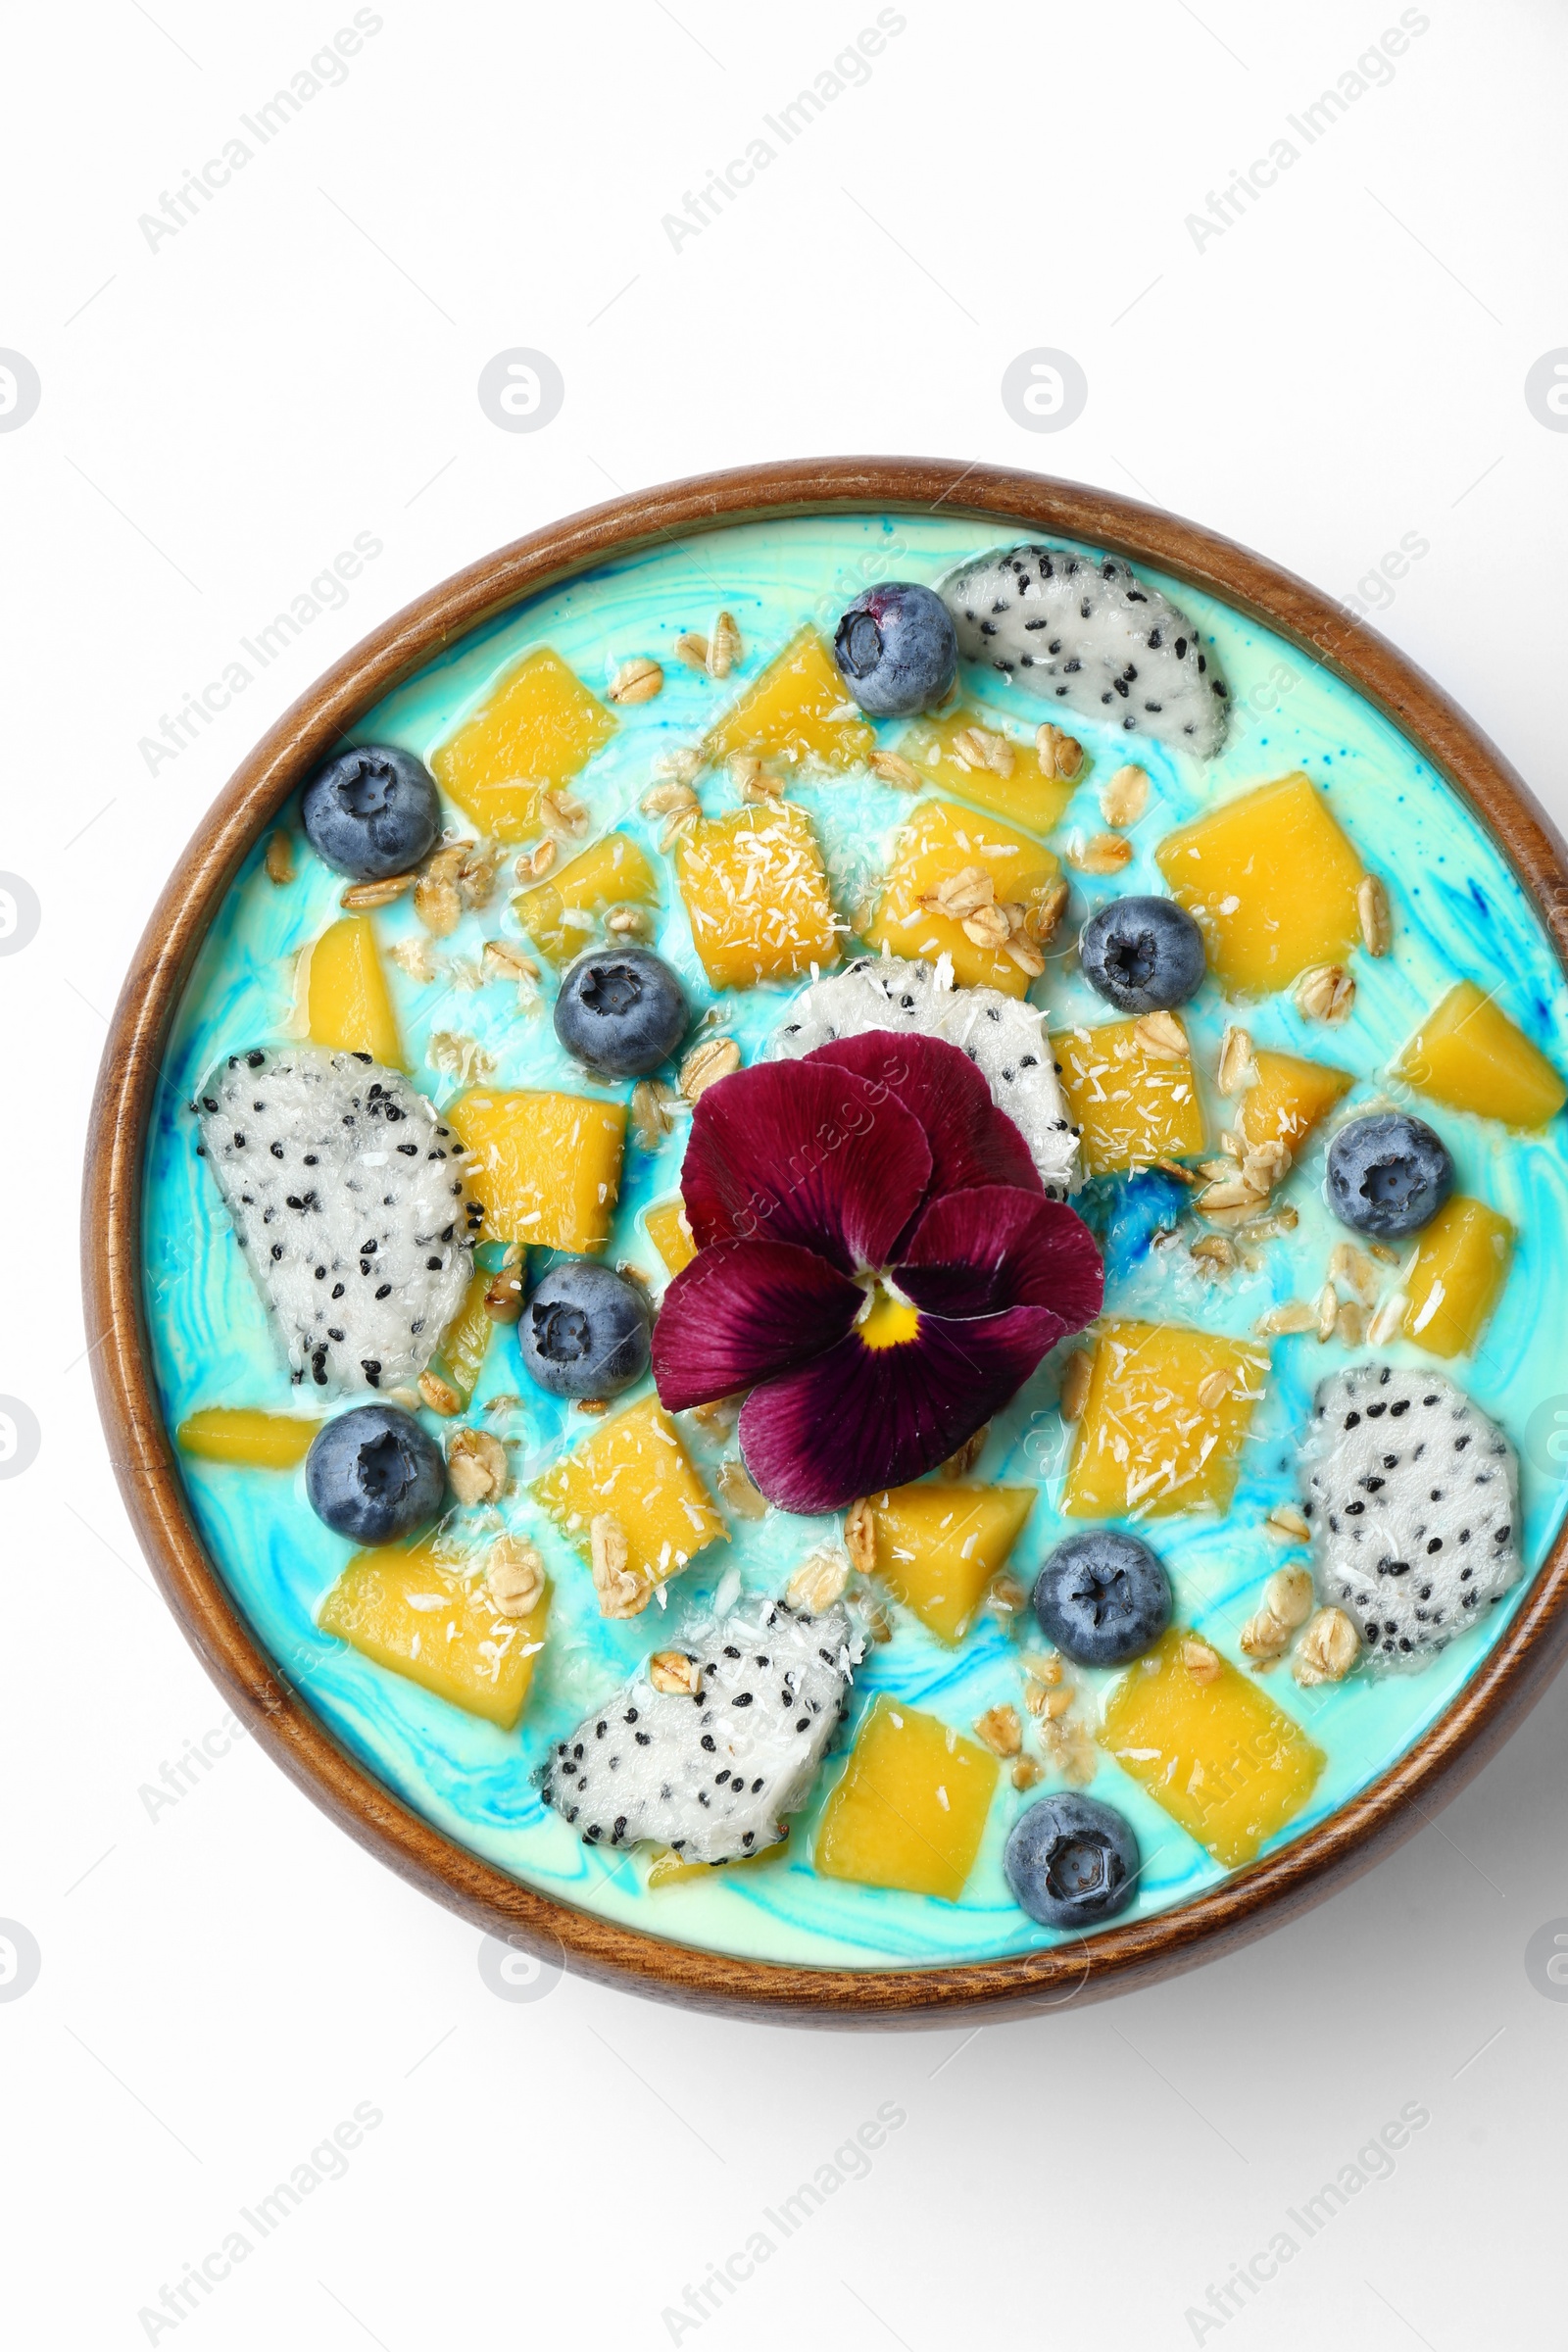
[(1288, 1099), (538, 728), (1160, 1432), (1469, 1055), (225, 1433), (1457, 1276), (757, 893), (939, 840), (1272, 881), (348, 1004), (549, 1165), (410, 1611), (671, 1234), (668, 1870), (1130, 1105), (910, 1809), (1221, 1758), (460, 1359), (938, 1546), (788, 712), (558, 913), (1025, 794), (635, 1468)]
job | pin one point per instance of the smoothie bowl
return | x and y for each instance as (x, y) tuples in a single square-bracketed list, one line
[(830, 1216)]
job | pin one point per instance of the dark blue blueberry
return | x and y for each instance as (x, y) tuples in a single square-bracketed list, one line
[(584, 1332), (1071, 1861), (1389, 1174), (622, 1011), (1102, 1597), (374, 1475), (372, 811), (1143, 954), (895, 649)]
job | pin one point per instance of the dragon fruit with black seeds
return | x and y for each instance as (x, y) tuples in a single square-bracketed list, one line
[(1004, 1038), (710, 1771), (1412, 1494), (1091, 636), (348, 1197)]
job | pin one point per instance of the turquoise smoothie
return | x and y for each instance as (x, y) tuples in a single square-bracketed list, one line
[(1457, 914)]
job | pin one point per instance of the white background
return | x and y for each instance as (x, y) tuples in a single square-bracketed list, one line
[(221, 413)]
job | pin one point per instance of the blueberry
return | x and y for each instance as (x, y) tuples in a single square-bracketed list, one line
[(1389, 1174), (895, 649), (374, 1475), (1071, 1861), (1102, 1597), (372, 811), (584, 1332), (1145, 954), (622, 1011)]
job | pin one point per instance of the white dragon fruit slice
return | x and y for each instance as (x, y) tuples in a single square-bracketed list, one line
[(712, 1774), (1413, 1499), (1091, 636), (1004, 1038), (348, 1198)]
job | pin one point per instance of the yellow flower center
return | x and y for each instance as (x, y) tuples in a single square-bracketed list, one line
[(886, 1321)]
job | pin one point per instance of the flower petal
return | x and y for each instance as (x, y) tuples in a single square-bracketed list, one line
[(859, 1419), (972, 1142), (978, 1252), (816, 1156), (744, 1312)]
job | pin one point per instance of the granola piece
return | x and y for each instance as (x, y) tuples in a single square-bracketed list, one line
[(476, 1467), (715, 1058), (1124, 797), (514, 1572), (1327, 1650), (1325, 992), (999, 1730), (636, 681)]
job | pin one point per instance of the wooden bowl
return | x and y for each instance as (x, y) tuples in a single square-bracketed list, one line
[(1483, 1713)]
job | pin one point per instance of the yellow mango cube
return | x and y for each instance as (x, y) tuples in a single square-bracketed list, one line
[(910, 1809), (1272, 881), (225, 1433), (538, 728), (558, 913), (410, 1611), (635, 1468), (939, 840), (938, 1546), (1288, 1099), (671, 1234), (757, 893), (460, 1359), (1219, 1756), (1469, 1055), (1168, 1412), (549, 1165), (348, 1004), (668, 1870), (788, 712), (1131, 1107), (1457, 1276), (1025, 796)]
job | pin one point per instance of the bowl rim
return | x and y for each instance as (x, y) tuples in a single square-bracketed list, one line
[(1246, 1904)]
